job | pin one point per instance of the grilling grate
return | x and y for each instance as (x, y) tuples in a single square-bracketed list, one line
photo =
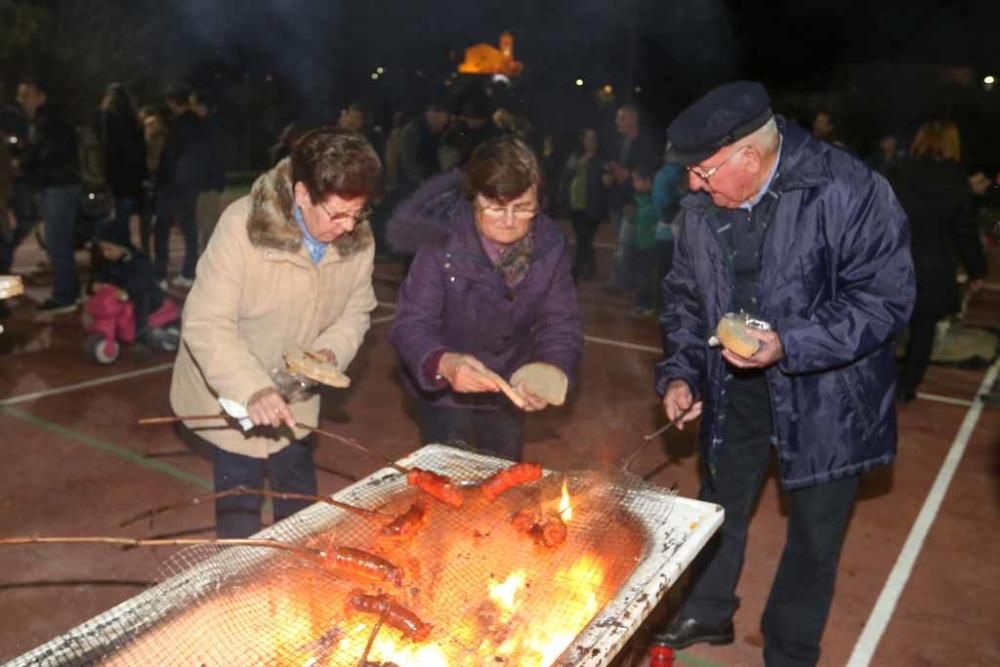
[(627, 542)]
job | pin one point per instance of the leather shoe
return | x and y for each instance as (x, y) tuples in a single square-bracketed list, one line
[(684, 632)]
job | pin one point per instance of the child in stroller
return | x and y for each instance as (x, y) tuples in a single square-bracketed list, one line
[(127, 304)]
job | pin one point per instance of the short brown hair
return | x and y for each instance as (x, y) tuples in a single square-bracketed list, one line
[(329, 161), (501, 169), (938, 138)]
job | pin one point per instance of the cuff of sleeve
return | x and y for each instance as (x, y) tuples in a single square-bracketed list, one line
[(430, 368)]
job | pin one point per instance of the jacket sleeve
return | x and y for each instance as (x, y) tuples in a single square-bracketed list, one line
[(345, 336), (682, 323), (409, 158), (874, 286), (416, 329), (210, 328), (558, 331)]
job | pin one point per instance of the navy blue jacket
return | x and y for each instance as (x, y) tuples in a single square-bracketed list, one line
[(836, 283)]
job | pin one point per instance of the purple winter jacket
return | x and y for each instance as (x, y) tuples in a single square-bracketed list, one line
[(454, 300)]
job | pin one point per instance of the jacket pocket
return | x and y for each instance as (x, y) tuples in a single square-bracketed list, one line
[(853, 384)]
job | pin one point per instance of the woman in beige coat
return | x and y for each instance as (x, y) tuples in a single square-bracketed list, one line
[(288, 266)]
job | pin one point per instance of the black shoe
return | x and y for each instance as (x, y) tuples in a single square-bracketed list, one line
[(56, 307), (684, 632)]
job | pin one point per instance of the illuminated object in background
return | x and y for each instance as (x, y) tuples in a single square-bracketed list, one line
[(488, 59), (989, 81), (579, 82), (607, 89)]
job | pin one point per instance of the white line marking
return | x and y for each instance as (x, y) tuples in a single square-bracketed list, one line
[(864, 650), (945, 399), (383, 319), (23, 398), (623, 345)]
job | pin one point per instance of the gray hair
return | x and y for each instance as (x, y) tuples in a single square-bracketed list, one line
[(764, 139)]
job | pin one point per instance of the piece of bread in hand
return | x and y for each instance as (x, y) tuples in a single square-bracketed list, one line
[(732, 333), (315, 367), (543, 380), (10, 286)]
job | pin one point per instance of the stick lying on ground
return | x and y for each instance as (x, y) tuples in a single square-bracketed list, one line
[(244, 491)]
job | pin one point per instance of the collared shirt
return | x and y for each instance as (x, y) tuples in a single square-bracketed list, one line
[(317, 249), (753, 201)]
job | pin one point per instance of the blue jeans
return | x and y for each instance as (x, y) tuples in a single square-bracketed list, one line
[(499, 432), (59, 206), (291, 471), (125, 208)]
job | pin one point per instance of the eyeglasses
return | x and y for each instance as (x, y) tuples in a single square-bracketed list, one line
[(497, 212), (707, 175), (340, 218)]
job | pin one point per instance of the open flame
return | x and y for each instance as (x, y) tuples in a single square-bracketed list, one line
[(505, 594), (565, 508)]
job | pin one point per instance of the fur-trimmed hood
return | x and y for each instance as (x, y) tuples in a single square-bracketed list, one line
[(271, 223)]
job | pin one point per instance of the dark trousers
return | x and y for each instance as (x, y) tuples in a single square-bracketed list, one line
[(125, 208), (59, 206), (584, 261), (918, 351), (800, 597), (290, 470), (499, 432), (176, 205)]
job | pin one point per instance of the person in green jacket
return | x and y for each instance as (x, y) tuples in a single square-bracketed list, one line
[(643, 219)]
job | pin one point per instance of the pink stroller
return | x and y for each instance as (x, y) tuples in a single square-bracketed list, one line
[(110, 321)]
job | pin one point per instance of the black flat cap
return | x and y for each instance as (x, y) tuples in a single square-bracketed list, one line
[(724, 115)]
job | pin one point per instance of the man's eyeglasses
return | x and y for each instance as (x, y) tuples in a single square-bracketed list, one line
[(706, 175), (497, 212), (340, 218)]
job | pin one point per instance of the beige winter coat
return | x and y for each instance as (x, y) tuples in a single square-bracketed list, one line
[(257, 292)]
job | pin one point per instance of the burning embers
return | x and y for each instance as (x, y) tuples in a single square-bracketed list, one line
[(507, 578)]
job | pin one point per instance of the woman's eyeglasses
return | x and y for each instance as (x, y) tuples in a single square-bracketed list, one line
[(340, 218)]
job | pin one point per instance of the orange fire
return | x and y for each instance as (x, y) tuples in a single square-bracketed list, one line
[(492, 596)]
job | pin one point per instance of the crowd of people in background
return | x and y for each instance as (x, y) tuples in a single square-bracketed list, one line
[(142, 171)]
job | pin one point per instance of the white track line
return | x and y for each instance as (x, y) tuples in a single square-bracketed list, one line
[(945, 399), (623, 344), (868, 642), (23, 398)]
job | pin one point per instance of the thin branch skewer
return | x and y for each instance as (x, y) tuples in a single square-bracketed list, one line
[(351, 442), (244, 491), (147, 421), (176, 542)]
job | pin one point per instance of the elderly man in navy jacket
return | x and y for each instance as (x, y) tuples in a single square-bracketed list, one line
[(804, 236)]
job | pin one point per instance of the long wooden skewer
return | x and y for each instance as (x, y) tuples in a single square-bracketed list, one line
[(646, 439), (184, 541), (350, 442), (505, 387), (244, 491), (146, 421)]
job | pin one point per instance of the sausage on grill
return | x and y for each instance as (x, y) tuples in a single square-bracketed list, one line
[(359, 564), (519, 473), (396, 615), (435, 485)]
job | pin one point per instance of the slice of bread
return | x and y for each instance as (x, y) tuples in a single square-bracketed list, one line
[(543, 380), (10, 286), (732, 333), (315, 367)]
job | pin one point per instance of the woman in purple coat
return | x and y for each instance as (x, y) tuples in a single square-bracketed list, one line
[(489, 288)]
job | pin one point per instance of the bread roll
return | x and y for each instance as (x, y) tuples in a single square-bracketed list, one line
[(10, 286), (732, 333), (543, 380)]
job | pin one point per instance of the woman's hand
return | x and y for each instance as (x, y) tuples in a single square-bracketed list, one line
[(465, 373), (268, 408), (532, 402)]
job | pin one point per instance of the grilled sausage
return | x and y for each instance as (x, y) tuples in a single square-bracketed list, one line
[(396, 615), (519, 473), (435, 485), (359, 564), (407, 523)]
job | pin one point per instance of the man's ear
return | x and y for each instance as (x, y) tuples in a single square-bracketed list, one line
[(754, 160)]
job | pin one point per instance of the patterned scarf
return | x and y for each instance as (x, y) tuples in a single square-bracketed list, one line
[(515, 260)]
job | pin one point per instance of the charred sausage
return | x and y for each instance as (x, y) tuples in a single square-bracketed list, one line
[(519, 473), (435, 485), (396, 615)]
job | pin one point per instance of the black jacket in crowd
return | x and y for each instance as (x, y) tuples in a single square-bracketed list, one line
[(936, 197), (179, 163), (52, 156), (124, 153)]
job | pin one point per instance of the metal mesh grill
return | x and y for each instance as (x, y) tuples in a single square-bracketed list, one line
[(259, 606)]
